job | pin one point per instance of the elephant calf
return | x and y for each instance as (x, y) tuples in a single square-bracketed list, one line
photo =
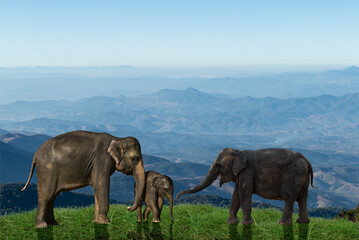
[(278, 174), (158, 186)]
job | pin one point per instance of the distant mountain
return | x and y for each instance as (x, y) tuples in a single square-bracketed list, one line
[(15, 164), (338, 180), (148, 160), (168, 126), (179, 170), (321, 198), (12, 199), (48, 126), (328, 158), (187, 96), (295, 122), (42, 83), (24, 142)]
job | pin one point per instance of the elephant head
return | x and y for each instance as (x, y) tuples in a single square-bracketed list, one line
[(227, 166), (128, 157), (165, 188)]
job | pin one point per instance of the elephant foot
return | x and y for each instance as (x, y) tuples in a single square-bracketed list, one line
[(101, 220), (303, 220), (42, 224), (156, 220), (247, 222), (285, 222), (232, 220)]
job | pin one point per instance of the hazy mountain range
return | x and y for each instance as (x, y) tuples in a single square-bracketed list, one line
[(43, 83), (323, 123)]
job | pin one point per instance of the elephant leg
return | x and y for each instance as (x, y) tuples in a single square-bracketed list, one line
[(139, 212), (101, 202), (245, 196), (160, 203), (40, 221), (153, 205), (234, 207), (287, 211), (146, 213), (50, 212), (46, 197), (246, 202), (303, 210)]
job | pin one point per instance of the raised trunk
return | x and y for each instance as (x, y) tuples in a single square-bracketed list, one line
[(207, 181), (139, 175)]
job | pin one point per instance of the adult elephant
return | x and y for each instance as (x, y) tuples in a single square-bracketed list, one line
[(274, 173), (80, 158)]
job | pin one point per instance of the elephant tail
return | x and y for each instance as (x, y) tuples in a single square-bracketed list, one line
[(310, 169), (31, 172)]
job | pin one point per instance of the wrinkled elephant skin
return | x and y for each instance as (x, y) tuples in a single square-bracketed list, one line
[(157, 188), (80, 158), (278, 174)]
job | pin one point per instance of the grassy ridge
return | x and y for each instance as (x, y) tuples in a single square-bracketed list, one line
[(191, 222)]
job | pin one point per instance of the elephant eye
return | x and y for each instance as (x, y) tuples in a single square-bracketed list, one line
[(136, 159)]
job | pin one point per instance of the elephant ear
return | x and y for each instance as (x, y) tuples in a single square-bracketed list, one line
[(239, 163), (156, 183), (116, 150)]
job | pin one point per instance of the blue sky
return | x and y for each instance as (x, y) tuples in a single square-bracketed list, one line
[(178, 33)]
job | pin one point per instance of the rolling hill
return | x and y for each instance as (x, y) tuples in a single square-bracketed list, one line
[(14, 164), (27, 143), (318, 123)]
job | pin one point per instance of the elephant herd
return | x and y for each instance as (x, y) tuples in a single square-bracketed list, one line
[(80, 158)]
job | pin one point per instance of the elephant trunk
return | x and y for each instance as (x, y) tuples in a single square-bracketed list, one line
[(207, 181), (139, 175), (170, 200)]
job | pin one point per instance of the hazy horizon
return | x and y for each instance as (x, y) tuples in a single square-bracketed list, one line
[(259, 68)]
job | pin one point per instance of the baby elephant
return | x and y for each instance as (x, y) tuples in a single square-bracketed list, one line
[(157, 187)]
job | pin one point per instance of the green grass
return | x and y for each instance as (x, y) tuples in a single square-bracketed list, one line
[(191, 222)]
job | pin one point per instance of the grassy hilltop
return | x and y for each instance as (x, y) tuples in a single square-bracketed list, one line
[(191, 222)]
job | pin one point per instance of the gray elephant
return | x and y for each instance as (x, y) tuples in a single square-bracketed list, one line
[(80, 158), (274, 173), (158, 186)]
